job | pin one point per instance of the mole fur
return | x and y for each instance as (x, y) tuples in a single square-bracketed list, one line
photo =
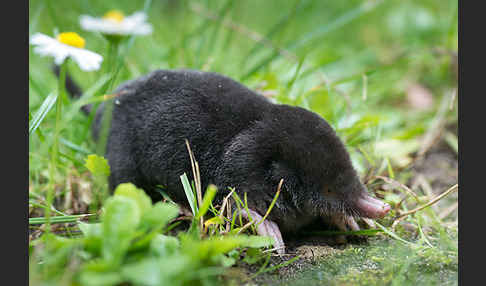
[(240, 139)]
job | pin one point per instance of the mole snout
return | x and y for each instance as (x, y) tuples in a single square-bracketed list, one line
[(371, 207)]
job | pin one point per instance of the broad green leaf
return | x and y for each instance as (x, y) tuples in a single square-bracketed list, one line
[(100, 278), (92, 237), (253, 255), (217, 245), (119, 222), (169, 270), (97, 165), (129, 190), (164, 245), (160, 215), (153, 221), (256, 241), (224, 260), (144, 272)]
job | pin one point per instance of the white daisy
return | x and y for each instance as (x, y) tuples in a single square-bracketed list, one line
[(66, 45), (115, 23)]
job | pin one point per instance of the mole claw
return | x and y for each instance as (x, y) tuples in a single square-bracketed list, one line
[(267, 228), (352, 223)]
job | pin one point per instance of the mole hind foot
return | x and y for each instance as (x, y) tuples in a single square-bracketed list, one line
[(267, 228)]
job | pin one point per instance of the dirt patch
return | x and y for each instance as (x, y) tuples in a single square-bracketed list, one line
[(437, 171)]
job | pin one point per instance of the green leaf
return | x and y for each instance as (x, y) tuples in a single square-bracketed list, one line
[(93, 278), (93, 235), (160, 215), (97, 165), (129, 190), (144, 272), (158, 271), (153, 221), (41, 113), (253, 255), (224, 260), (164, 245), (119, 222), (256, 241)]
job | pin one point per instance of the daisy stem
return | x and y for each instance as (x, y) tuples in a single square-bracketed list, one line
[(108, 108), (54, 152)]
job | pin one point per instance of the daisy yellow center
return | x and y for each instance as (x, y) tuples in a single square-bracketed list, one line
[(71, 39), (114, 15)]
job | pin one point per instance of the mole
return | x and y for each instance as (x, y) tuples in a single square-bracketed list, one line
[(240, 140)]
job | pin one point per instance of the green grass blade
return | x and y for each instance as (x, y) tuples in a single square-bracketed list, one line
[(208, 198), (74, 146), (33, 22), (87, 96), (222, 14), (41, 113), (39, 205), (316, 34), (58, 219), (391, 174), (189, 194), (279, 26), (259, 65), (336, 24), (392, 234), (290, 84)]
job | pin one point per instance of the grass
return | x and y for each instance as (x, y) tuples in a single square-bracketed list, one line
[(352, 62)]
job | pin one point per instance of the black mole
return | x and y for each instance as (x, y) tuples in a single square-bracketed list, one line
[(241, 140)]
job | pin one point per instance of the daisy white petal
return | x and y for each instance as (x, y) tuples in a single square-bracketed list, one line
[(47, 46), (86, 60), (114, 23)]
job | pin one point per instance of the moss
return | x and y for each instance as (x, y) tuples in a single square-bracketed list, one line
[(383, 262)]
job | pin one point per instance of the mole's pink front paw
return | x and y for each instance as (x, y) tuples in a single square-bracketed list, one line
[(267, 228)]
